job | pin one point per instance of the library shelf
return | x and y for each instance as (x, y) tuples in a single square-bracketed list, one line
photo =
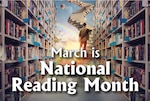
[(118, 13), (136, 61), (18, 40), (31, 75), (138, 38), (128, 21), (135, 17), (118, 59), (22, 33), (8, 87), (115, 1), (142, 87), (14, 61), (118, 75), (31, 30), (35, 3), (13, 17), (32, 15), (107, 3), (127, 3), (119, 44), (117, 30), (22, 3), (109, 47)]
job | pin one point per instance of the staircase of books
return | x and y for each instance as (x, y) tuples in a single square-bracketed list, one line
[(79, 17)]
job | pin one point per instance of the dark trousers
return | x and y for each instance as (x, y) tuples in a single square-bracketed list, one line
[(83, 44)]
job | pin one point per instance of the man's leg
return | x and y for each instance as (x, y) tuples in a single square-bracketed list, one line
[(81, 43), (85, 45)]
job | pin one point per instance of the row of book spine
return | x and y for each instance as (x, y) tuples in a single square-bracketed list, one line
[(33, 52), (137, 73), (117, 22), (138, 96), (33, 38), (33, 68), (118, 68), (117, 38), (12, 96), (136, 29), (148, 52), (32, 7), (117, 52), (14, 30), (14, 71), (135, 52), (134, 7), (15, 7), (117, 7), (32, 22), (14, 52), (108, 52)]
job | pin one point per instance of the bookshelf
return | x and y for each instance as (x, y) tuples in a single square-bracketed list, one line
[(122, 36), (27, 30)]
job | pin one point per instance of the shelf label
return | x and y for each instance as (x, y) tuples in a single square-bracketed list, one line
[(114, 28), (35, 28), (23, 79), (123, 20), (112, 71), (34, 58), (20, 59), (25, 20), (37, 71), (36, 44), (115, 57), (129, 59), (127, 38), (44, 36), (39, 31), (110, 31), (126, 78), (39, 18), (110, 18), (22, 38), (106, 57)]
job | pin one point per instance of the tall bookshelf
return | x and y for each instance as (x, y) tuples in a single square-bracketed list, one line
[(27, 30), (123, 38)]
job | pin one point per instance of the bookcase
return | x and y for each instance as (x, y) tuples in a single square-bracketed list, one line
[(27, 30), (122, 30)]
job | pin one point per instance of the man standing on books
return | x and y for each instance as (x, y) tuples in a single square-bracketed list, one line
[(84, 36)]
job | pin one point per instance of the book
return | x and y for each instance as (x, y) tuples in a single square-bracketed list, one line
[(148, 52), (118, 68), (149, 80), (0, 80)]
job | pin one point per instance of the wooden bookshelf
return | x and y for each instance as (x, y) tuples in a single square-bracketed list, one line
[(25, 25), (126, 16)]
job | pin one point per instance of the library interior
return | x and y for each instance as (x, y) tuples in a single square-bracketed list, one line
[(37, 35)]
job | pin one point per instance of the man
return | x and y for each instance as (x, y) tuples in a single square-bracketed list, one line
[(84, 36)]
